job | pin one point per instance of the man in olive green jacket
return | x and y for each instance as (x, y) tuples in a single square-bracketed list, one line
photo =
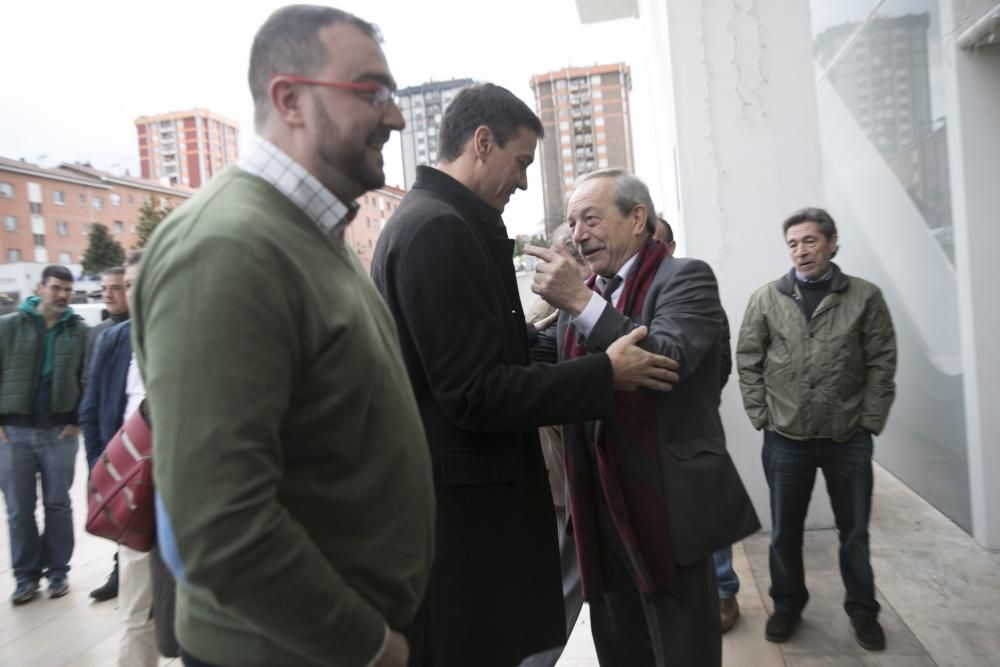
[(816, 359), (41, 365), (296, 505)]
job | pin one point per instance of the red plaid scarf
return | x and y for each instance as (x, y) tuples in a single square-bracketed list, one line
[(628, 465)]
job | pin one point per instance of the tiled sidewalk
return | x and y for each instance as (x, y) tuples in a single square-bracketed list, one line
[(940, 594)]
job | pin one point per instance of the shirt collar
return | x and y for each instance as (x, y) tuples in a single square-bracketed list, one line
[(825, 277), (623, 272), (270, 163)]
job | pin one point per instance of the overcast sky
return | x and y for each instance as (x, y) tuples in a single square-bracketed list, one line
[(77, 74)]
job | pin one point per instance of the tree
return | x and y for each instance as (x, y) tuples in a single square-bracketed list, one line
[(103, 252), (150, 215)]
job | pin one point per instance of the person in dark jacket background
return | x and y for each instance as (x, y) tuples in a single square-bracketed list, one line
[(116, 306), (41, 365), (113, 392)]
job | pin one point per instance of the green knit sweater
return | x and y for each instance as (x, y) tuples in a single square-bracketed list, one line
[(290, 456)]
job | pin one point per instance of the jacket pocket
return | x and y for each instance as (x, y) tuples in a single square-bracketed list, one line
[(707, 505), (691, 447)]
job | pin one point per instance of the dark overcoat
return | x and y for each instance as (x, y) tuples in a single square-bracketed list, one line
[(444, 266)]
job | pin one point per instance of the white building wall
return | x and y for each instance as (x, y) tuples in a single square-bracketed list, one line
[(747, 141), (747, 154), (973, 105)]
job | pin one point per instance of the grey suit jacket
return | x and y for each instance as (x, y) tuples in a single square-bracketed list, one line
[(685, 321)]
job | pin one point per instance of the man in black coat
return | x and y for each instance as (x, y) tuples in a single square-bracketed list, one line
[(444, 266)]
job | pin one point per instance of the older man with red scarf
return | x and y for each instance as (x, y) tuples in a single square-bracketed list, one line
[(652, 490)]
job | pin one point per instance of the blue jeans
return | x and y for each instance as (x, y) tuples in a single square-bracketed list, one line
[(790, 467), (725, 575), (31, 452)]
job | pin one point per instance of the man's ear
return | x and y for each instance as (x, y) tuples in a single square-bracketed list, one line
[(288, 100), (483, 142), (638, 216)]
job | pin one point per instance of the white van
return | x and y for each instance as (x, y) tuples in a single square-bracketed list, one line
[(92, 313)]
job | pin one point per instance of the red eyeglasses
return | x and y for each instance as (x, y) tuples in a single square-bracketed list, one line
[(379, 94)]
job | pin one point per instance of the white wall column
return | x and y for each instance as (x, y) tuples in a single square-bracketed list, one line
[(973, 104), (747, 145)]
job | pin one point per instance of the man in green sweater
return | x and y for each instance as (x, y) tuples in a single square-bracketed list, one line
[(41, 364), (295, 501)]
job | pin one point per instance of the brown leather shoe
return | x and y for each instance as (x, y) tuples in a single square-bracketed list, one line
[(729, 610)]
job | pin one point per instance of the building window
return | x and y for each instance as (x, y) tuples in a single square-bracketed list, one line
[(65, 258), (116, 199), (6, 190), (59, 197), (39, 240), (10, 223), (595, 79), (119, 227), (98, 203), (36, 208), (131, 199), (62, 228), (83, 200), (13, 255), (86, 228)]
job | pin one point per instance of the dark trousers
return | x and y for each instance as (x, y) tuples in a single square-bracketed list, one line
[(663, 631), (790, 467), (164, 604)]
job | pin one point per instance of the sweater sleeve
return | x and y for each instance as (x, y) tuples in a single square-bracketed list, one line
[(218, 334)]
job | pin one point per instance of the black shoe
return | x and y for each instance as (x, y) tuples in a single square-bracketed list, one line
[(24, 593), (781, 626), (868, 632), (109, 590)]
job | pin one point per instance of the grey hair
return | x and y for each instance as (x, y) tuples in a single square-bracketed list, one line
[(827, 227), (629, 193)]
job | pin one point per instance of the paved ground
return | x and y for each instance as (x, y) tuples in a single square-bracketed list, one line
[(940, 594)]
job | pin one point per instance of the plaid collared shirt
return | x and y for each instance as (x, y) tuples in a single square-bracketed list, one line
[(267, 161)]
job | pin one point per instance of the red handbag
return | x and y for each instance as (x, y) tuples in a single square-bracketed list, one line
[(120, 500)]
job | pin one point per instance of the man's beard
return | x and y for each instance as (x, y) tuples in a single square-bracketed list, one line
[(336, 155)]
